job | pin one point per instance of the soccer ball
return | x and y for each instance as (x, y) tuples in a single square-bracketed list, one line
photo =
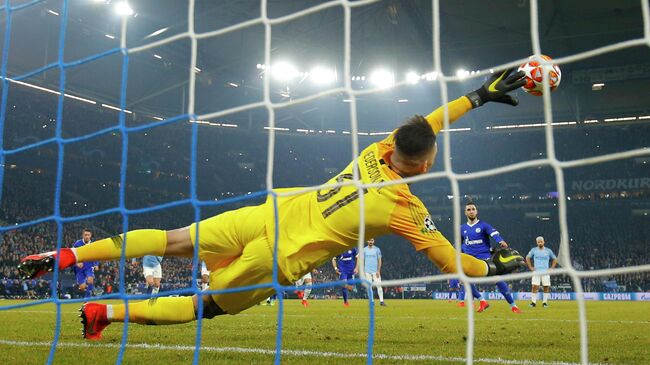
[(535, 70)]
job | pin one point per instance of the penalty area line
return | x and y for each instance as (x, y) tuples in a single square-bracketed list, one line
[(298, 353)]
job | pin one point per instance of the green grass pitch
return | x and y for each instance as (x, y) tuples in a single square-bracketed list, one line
[(407, 331)]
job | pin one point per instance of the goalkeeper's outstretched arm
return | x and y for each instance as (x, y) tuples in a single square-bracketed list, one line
[(495, 89), (503, 261)]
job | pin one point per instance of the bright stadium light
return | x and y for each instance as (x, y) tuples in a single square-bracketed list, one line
[(382, 78), (412, 77), (123, 8), (462, 73), (430, 76), (284, 71), (159, 31), (322, 76)]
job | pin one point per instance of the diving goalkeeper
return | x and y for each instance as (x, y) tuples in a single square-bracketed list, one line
[(237, 246)]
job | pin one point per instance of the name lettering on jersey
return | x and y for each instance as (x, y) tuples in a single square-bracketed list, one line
[(370, 161)]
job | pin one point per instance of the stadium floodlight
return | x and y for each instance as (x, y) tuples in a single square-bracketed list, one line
[(382, 78), (322, 76), (430, 76), (159, 31), (597, 86), (284, 71), (123, 8), (462, 73), (412, 77)]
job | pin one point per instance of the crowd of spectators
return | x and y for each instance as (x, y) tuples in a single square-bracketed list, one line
[(607, 228)]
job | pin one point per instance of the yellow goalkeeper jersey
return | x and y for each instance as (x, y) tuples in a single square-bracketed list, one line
[(317, 225)]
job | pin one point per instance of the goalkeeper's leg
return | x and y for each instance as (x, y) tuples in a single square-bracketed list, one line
[(156, 311), (138, 243)]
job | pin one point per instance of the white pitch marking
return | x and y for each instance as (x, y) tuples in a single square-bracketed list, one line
[(299, 353), (380, 317)]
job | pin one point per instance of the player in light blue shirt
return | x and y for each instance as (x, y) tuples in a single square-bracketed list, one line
[(541, 256), (152, 271), (475, 236), (372, 267)]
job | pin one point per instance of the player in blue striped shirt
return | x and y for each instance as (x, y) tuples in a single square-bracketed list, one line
[(541, 256), (85, 271), (346, 267), (475, 236)]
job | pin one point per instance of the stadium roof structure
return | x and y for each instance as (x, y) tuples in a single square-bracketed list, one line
[(397, 35)]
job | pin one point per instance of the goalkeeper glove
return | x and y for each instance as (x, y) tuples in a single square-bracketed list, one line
[(497, 87), (504, 261)]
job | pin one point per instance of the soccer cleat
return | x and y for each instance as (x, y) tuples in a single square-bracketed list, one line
[(483, 305), (299, 293), (461, 304), (93, 320), (37, 265), (516, 309), (346, 304), (383, 304), (305, 303), (532, 305), (545, 305)]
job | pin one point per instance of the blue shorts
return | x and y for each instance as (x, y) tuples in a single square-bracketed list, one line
[(83, 274), (346, 275), (454, 283)]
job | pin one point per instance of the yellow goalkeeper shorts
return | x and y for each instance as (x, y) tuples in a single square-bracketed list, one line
[(236, 250)]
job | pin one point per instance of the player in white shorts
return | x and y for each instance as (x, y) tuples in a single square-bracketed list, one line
[(205, 276), (152, 271), (372, 267), (306, 280), (541, 256)]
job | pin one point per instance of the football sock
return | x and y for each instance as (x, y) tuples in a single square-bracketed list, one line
[(476, 293), (138, 243), (155, 289), (505, 291), (461, 292), (306, 293), (533, 297), (545, 297), (155, 311), (89, 290), (345, 294), (380, 293)]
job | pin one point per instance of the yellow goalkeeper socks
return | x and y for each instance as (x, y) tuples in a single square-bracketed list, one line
[(155, 311), (139, 243), (444, 256)]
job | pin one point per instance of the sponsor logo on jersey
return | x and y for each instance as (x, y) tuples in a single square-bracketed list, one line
[(478, 230)]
